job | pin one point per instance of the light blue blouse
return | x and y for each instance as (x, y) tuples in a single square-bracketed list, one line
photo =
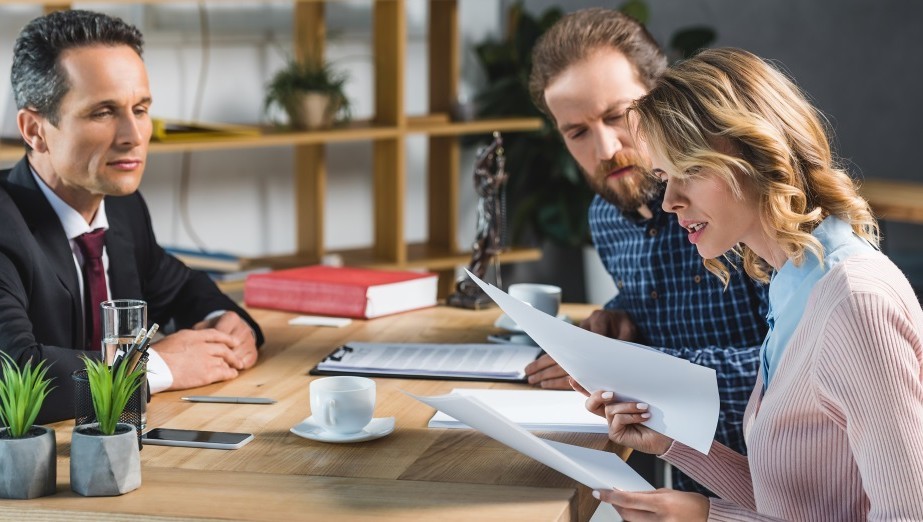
[(791, 287)]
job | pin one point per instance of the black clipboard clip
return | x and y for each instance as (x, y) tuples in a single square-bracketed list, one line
[(340, 353)]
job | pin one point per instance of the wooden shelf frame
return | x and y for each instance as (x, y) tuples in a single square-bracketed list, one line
[(387, 130), (355, 131)]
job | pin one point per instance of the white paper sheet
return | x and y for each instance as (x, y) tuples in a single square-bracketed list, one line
[(683, 397), (534, 410), (592, 468), (320, 320)]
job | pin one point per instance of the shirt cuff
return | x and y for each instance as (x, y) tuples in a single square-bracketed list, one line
[(159, 376), (214, 315), (667, 454)]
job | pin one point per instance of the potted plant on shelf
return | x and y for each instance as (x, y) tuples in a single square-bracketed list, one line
[(28, 458), (105, 458), (311, 93)]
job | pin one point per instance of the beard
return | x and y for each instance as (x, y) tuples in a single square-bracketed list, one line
[(630, 190)]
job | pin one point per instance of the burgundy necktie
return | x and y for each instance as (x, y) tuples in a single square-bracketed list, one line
[(94, 283)]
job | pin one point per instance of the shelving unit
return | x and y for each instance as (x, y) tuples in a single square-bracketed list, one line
[(388, 131)]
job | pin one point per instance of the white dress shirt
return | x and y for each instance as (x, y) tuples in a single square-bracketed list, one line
[(159, 376)]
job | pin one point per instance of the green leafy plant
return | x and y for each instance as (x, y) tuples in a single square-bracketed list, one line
[(547, 195), (111, 390), (287, 86), (22, 393)]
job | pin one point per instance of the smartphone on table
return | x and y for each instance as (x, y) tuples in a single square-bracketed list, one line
[(195, 438)]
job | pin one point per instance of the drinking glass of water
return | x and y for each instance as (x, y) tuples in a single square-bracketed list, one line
[(122, 320)]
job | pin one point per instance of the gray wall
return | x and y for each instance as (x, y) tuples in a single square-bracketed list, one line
[(861, 61)]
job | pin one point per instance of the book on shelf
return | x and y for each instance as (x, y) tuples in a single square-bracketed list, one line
[(208, 261), (165, 130), (236, 275), (362, 293)]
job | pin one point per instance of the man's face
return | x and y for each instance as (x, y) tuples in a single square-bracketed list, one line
[(588, 101), (99, 146)]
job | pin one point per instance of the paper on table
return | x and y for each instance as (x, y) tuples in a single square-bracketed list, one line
[(532, 409), (683, 397), (592, 468), (319, 320), (461, 360)]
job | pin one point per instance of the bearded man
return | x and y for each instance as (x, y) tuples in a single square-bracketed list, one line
[(586, 72)]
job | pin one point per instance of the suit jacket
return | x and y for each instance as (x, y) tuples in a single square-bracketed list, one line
[(40, 304)]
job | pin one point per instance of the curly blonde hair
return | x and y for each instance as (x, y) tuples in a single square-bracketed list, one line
[(779, 142)]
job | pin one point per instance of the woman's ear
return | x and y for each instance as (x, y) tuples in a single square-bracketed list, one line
[(31, 128)]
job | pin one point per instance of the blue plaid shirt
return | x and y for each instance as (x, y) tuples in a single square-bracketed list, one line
[(682, 308)]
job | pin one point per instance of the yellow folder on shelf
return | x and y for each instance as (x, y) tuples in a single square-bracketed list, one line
[(174, 130)]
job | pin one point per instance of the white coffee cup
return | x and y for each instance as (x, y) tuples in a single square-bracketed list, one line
[(342, 404), (546, 298)]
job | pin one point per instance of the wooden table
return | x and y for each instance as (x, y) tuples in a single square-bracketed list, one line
[(415, 473)]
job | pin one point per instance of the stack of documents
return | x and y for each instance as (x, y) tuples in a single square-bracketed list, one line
[(593, 468), (534, 410), (683, 396)]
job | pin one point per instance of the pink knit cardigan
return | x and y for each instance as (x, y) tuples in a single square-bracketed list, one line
[(839, 433)]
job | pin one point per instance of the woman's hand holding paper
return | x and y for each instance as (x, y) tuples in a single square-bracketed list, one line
[(663, 505), (625, 421)]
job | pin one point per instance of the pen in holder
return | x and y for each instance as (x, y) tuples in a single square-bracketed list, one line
[(134, 412)]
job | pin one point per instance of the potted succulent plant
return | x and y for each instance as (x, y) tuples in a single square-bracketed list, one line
[(105, 458), (28, 458), (311, 93)]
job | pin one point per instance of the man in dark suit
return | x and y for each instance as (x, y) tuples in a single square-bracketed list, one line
[(83, 97)]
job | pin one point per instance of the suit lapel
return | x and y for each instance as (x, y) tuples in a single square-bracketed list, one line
[(48, 233)]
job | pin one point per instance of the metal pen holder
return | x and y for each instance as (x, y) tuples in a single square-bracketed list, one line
[(134, 412)]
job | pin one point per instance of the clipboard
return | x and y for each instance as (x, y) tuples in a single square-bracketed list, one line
[(483, 362)]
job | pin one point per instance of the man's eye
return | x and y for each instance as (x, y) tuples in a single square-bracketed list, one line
[(102, 113), (576, 134)]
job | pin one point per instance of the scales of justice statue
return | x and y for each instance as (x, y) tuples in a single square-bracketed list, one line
[(490, 178)]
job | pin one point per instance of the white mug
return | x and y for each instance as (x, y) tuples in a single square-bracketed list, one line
[(546, 298), (342, 404)]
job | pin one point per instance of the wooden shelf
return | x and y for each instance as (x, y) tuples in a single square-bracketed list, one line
[(353, 131), (436, 126), (894, 200), (388, 130), (11, 152), (419, 256)]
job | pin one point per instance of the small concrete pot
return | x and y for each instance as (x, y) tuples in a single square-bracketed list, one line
[(313, 110), (28, 466), (105, 465)]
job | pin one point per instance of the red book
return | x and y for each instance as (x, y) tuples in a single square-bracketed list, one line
[(362, 293)]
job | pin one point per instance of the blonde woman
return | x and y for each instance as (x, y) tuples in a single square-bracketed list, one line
[(834, 426)]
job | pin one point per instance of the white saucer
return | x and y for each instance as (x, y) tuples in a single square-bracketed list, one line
[(379, 427), (506, 323)]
